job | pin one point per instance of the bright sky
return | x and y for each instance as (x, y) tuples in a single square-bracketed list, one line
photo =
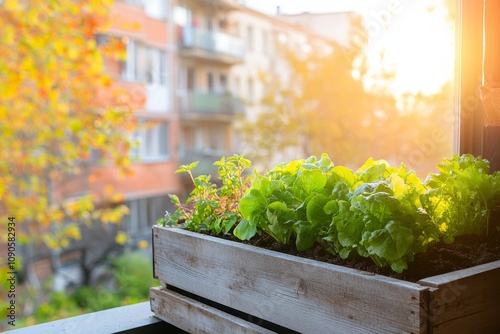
[(417, 39)]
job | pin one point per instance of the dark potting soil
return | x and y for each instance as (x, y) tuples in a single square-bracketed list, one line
[(464, 252)]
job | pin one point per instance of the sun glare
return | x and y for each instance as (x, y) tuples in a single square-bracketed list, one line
[(418, 44), (416, 37)]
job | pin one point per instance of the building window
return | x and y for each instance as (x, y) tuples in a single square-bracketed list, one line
[(282, 37), (114, 65), (210, 24), (182, 16), (152, 142), (216, 139), (135, 2), (144, 212), (101, 39), (249, 38), (223, 24), (156, 9), (235, 29), (210, 82), (189, 138), (162, 68), (141, 63), (251, 91), (236, 86), (264, 42), (223, 82), (155, 66), (191, 79), (144, 64), (128, 70)]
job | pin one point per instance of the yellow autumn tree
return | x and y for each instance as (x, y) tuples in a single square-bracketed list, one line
[(51, 71)]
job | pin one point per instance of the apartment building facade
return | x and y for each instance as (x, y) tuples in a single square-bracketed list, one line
[(197, 65), (267, 71), (206, 47), (335, 26), (143, 29), (194, 70)]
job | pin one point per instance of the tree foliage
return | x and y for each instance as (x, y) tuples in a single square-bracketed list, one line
[(51, 121), (129, 275), (325, 107)]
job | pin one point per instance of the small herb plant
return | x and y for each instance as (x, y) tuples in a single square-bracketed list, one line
[(211, 208)]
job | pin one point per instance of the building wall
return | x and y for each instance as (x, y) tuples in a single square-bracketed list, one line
[(333, 26), (206, 49), (132, 21), (143, 27), (257, 32), (174, 124), (265, 68), (167, 92)]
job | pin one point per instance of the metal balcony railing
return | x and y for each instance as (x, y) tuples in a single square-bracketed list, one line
[(213, 42), (210, 103), (225, 4)]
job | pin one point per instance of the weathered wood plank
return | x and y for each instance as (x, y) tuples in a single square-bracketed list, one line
[(466, 301), (197, 318), (301, 294)]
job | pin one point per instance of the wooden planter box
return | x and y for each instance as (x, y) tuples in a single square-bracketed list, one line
[(211, 285)]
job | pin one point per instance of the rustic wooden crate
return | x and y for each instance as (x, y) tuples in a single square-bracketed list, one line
[(195, 317), (465, 301), (308, 296)]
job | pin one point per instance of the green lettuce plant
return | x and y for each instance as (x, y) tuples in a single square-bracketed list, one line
[(381, 217), (287, 201), (461, 195), (374, 211), (385, 213)]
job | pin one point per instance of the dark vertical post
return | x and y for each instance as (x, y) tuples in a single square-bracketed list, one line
[(491, 147), (470, 69), (492, 43), (491, 139)]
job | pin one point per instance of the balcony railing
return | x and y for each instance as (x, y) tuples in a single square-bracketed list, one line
[(220, 46), (224, 4), (210, 104)]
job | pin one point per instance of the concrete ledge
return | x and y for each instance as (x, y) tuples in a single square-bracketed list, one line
[(132, 319)]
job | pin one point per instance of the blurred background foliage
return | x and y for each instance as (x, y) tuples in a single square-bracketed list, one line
[(130, 277)]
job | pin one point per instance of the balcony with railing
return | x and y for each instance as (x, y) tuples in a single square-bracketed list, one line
[(213, 106), (212, 46), (223, 4)]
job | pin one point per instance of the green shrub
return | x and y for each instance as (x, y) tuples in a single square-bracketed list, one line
[(132, 274)]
